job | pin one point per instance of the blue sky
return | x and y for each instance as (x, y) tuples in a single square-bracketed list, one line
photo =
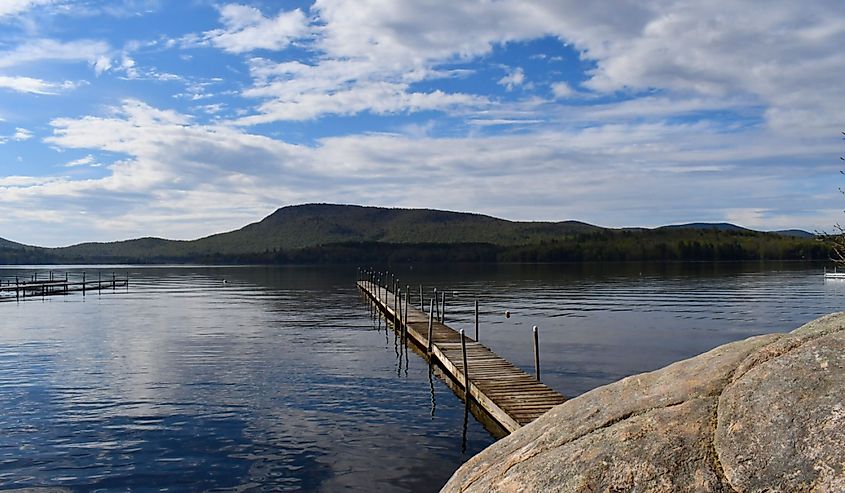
[(179, 119)]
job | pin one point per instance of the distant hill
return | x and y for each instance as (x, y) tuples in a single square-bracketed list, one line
[(796, 233), (316, 233), (315, 225), (10, 245), (707, 226)]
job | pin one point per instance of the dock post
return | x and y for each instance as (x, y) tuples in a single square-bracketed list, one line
[(113, 286), (397, 319), (430, 324), (421, 299), (83, 284), (405, 318), (437, 303), (66, 285), (17, 289), (407, 299), (476, 320), (443, 309), (466, 368), (536, 354), (99, 281)]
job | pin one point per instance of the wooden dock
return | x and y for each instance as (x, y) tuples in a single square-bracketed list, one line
[(33, 287), (510, 396)]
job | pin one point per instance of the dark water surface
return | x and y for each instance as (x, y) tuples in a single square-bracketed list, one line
[(279, 378)]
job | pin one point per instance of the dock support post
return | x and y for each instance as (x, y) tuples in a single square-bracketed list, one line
[(437, 303), (113, 285), (99, 281), (430, 324), (397, 305), (405, 318), (476, 320), (83, 284), (421, 299), (443, 308), (466, 368), (536, 354)]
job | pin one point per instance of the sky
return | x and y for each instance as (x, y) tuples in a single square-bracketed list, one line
[(179, 119)]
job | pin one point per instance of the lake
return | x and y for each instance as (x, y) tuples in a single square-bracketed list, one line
[(278, 378)]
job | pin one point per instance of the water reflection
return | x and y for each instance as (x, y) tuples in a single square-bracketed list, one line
[(282, 378)]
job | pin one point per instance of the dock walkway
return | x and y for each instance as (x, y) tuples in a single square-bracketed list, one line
[(53, 286), (509, 395)]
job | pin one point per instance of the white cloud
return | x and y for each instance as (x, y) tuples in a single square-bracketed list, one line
[(378, 98), (562, 90), (22, 134), (14, 7), (246, 29), (88, 160), (34, 86), (49, 49), (514, 78), (102, 64)]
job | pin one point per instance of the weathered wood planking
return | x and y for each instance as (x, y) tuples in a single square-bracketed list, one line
[(508, 394)]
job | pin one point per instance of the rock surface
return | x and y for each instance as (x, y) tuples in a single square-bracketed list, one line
[(763, 414)]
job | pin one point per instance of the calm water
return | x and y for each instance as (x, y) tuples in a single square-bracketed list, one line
[(280, 379)]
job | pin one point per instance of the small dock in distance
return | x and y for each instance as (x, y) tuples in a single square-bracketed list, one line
[(510, 396), (33, 287)]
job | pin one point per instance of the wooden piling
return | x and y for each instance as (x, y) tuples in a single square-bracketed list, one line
[(430, 324), (476, 320), (536, 354)]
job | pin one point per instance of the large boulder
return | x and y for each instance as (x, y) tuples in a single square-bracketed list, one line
[(763, 414)]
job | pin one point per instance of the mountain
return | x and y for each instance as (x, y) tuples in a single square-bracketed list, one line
[(707, 226), (311, 225), (10, 245), (314, 225), (796, 233), (319, 233)]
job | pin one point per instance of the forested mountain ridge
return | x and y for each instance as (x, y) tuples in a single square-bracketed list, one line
[(319, 233)]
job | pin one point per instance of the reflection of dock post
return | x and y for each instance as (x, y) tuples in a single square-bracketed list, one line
[(466, 368)]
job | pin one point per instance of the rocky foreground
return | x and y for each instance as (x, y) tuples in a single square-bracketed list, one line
[(763, 414)]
